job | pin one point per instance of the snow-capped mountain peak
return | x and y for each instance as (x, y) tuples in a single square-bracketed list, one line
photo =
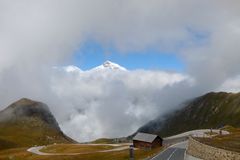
[(110, 65)]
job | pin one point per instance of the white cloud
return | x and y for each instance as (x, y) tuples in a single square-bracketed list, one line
[(231, 85), (110, 103)]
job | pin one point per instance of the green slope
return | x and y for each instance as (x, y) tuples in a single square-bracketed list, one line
[(212, 110)]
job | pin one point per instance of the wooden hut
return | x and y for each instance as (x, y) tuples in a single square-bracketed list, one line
[(146, 140)]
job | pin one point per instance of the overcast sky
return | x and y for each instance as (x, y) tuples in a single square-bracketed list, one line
[(196, 42)]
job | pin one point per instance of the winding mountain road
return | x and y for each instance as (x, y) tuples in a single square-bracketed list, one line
[(174, 152), (37, 150)]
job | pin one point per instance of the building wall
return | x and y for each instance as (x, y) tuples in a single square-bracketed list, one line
[(157, 142), (140, 144), (203, 151)]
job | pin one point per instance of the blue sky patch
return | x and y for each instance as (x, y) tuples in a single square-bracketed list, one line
[(92, 54)]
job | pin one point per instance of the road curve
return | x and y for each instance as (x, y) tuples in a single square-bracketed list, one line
[(174, 152), (197, 133), (36, 150)]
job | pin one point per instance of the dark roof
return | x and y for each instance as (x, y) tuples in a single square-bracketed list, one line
[(145, 137)]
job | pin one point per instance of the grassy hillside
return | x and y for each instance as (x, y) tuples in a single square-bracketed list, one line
[(212, 110), (28, 123)]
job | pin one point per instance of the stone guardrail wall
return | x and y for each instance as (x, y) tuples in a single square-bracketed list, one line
[(206, 152)]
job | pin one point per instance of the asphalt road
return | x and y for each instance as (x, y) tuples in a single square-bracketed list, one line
[(174, 152)]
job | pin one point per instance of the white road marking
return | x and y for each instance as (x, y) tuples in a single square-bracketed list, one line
[(172, 154)]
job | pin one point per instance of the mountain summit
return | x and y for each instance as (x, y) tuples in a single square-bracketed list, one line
[(29, 108), (26, 123), (108, 65)]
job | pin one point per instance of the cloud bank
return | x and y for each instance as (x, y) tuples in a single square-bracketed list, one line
[(37, 35), (109, 102)]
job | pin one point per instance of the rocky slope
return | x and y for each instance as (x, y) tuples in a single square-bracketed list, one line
[(27, 123), (212, 110)]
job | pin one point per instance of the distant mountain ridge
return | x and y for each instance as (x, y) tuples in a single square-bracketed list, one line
[(212, 110), (106, 66), (27, 123)]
